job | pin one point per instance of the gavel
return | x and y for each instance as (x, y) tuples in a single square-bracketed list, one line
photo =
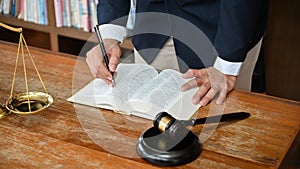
[(169, 142), (165, 123)]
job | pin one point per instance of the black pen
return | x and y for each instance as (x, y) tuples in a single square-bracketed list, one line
[(101, 43)]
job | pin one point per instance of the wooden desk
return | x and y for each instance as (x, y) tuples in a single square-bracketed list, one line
[(63, 136)]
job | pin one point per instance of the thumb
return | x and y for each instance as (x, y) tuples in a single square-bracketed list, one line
[(115, 55)]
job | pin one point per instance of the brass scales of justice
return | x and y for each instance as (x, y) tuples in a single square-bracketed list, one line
[(26, 102)]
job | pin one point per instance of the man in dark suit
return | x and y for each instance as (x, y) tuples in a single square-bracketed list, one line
[(233, 27)]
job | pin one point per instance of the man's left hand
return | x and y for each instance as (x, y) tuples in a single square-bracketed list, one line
[(211, 83)]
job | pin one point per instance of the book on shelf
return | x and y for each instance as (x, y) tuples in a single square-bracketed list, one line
[(25, 10), (21, 10), (30, 11), (34, 11), (58, 8), (66, 13), (1, 6), (6, 6), (17, 6), (13, 6), (140, 91), (84, 15), (93, 13), (43, 15), (76, 13)]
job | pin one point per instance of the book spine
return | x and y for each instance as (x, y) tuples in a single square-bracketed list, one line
[(93, 13), (66, 13), (1, 6), (75, 15), (45, 12), (21, 13), (30, 11), (58, 13), (64, 21), (81, 13), (13, 7), (6, 7), (85, 16), (17, 8), (35, 4), (42, 13), (25, 10)]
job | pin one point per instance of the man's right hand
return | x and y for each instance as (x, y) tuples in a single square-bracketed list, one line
[(96, 62)]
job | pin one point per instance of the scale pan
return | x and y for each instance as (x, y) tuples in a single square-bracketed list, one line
[(38, 101), (3, 112)]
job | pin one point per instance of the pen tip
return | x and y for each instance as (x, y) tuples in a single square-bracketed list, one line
[(113, 82)]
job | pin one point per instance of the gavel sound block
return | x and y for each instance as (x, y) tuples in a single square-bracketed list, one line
[(170, 143)]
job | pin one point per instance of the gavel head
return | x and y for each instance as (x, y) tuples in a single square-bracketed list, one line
[(167, 124), (163, 121)]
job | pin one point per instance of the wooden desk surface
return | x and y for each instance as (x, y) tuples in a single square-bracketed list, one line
[(67, 136)]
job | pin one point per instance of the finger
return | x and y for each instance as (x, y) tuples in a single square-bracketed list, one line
[(96, 60), (108, 82), (93, 60), (193, 73), (103, 73), (203, 89), (209, 96), (189, 85), (196, 82), (222, 96), (115, 55), (231, 82), (188, 74), (91, 66)]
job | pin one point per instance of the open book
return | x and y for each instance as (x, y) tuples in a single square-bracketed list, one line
[(141, 91)]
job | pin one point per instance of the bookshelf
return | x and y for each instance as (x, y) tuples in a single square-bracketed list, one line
[(64, 39)]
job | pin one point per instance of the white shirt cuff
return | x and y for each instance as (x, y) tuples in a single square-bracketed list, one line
[(228, 68), (111, 31)]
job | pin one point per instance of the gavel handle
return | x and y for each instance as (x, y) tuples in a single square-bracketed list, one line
[(218, 118)]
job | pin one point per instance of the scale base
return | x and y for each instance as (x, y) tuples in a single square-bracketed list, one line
[(160, 149)]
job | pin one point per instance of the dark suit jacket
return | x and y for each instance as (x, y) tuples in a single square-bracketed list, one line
[(232, 26)]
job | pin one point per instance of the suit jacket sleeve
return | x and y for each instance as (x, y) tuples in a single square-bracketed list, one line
[(111, 10), (112, 18), (241, 26)]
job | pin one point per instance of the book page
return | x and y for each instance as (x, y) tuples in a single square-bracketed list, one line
[(161, 90), (163, 93), (88, 94), (128, 78)]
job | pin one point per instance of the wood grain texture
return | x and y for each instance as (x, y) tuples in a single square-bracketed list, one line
[(76, 136)]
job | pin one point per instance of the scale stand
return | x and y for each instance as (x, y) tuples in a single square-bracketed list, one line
[(27, 102)]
